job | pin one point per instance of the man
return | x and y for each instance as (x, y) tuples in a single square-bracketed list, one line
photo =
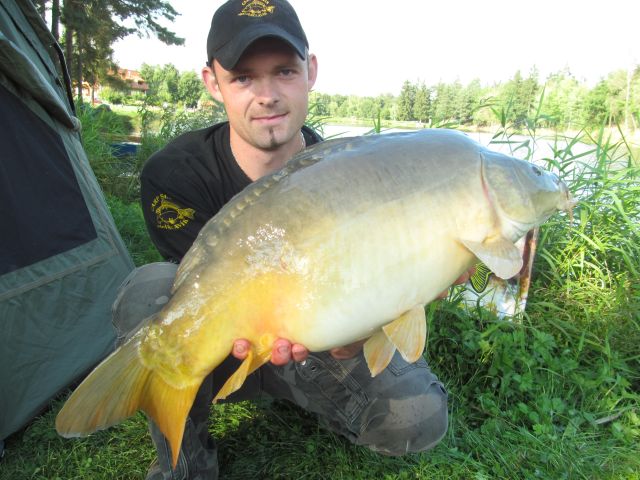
[(260, 69)]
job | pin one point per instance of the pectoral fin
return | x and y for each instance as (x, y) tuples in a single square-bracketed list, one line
[(378, 352), (500, 255), (408, 333), (249, 365), (259, 359)]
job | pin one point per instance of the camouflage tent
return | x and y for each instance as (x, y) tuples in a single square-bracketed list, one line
[(61, 258)]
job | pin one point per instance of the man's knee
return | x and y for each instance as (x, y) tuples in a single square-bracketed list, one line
[(408, 422), (142, 293), (408, 425)]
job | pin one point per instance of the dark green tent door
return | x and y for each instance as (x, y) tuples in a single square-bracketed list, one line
[(61, 258)]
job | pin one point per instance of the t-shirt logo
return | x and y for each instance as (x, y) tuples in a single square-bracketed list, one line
[(256, 8), (170, 215)]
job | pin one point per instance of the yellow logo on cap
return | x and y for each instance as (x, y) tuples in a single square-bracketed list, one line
[(170, 215), (256, 8)]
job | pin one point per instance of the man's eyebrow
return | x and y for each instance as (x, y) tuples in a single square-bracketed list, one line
[(248, 70), (291, 64), (239, 71)]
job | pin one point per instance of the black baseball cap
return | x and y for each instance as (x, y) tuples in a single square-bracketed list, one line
[(239, 23)]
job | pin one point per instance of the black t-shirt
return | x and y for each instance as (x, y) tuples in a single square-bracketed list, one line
[(187, 182)]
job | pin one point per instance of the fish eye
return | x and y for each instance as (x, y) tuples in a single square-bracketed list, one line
[(536, 170)]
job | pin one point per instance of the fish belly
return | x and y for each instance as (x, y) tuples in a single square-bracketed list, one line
[(375, 268)]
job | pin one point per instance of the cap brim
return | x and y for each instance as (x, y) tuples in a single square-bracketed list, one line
[(229, 55)]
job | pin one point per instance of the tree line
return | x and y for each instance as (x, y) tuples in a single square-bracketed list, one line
[(561, 101)]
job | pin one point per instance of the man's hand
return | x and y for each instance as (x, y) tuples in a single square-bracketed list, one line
[(282, 353)]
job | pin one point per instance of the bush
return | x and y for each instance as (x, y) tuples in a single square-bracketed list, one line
[(101, 128), (136, 98), (111, 95)]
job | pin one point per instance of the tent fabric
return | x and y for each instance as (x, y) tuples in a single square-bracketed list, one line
[(42, 193), (61, 257)]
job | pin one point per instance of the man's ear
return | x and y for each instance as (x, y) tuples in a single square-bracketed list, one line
[(313, 70), (211, 83)]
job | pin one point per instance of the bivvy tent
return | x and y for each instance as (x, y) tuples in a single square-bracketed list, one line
[(61, 257)]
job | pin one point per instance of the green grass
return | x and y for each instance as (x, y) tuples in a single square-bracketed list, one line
[(554, 395), (130, 222)]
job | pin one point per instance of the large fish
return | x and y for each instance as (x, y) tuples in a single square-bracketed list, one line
[(349, 241)]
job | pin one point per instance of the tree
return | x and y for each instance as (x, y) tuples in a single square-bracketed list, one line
[(470, 101), (562, 97), (618, 85), (444, 108), (387, 104), (406, 101), (162, 81), (168, 88), (615, 99), (190, 89), (321, 103), (335, 106), (367, 107), (92, 26), (167, 85), (456, 101), (422, 104), (518, 97), (594, 109), (55, 18)]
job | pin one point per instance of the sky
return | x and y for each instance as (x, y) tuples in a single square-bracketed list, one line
[(370, 47)]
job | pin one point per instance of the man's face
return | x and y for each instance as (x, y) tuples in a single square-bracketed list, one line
[(266, 95)]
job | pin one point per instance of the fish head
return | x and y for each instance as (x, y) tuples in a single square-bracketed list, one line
[(523, 194)]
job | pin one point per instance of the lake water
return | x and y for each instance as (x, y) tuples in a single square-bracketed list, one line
[(543, 147)]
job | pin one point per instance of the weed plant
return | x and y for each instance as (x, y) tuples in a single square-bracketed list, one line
[(130, 222), (119, 176), (554, 394), (102, 129)]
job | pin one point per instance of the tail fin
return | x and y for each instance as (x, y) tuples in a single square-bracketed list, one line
[(120, 386)]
